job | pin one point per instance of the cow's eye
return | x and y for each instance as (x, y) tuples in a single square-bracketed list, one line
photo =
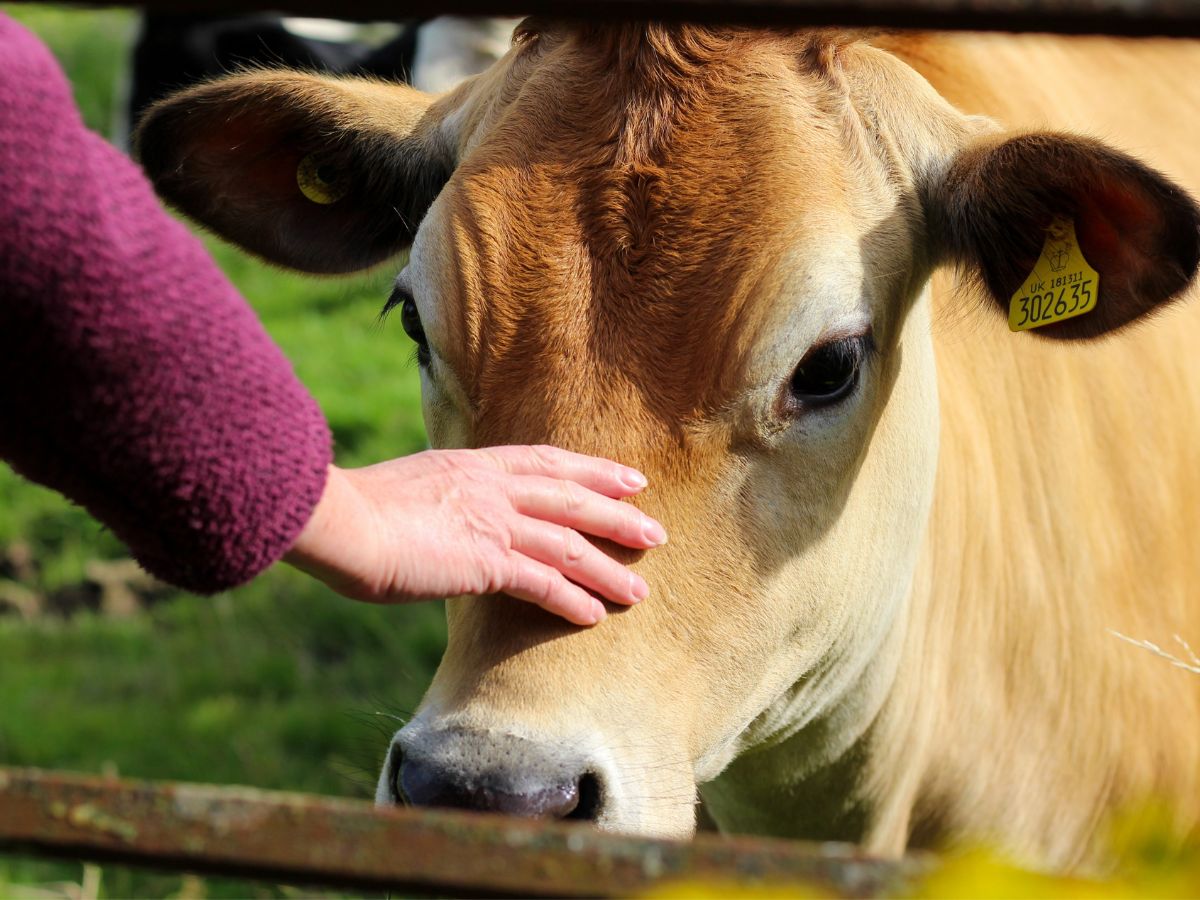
[(410, 321), (828, 373)]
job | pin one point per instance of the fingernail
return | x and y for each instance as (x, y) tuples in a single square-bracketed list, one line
[(633, 479), (638, 589), (653, 532), (599, 613)]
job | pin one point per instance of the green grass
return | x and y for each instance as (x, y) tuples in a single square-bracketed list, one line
[(276, 684)]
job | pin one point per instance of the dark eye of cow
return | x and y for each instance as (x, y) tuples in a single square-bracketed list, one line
[(410, 321), (828, 373)]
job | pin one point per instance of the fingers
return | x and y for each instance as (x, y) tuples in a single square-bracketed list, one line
[(601, 475), (572, 555), (568, 504), (546, 587)]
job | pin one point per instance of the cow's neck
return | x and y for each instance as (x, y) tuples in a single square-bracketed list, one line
[(812, 781)]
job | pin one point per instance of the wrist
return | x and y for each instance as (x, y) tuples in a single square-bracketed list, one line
[(310, 552)]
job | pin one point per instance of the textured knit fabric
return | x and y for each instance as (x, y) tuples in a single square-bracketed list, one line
[(133, 377)]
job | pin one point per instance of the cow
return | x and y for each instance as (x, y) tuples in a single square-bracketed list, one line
[(789, 274), (173, 50)]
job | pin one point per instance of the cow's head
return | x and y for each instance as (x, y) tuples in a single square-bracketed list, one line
[(706, 254)]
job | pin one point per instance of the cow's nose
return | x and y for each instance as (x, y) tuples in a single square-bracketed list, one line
[(496, 773), (428, 784)]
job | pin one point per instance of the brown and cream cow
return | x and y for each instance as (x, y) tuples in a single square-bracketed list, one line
[(901, 532)]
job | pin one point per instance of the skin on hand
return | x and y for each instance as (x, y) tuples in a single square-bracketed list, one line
[(497, 520)]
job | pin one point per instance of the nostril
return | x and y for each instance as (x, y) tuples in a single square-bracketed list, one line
[(397, 760), (588, 807)]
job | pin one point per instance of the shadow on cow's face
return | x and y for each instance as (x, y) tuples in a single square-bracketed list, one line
[(734, 307)]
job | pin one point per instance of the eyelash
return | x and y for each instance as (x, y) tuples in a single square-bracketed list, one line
[(411, 321), (395, 298)]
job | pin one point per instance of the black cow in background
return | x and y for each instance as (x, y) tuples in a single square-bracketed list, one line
[(174, 51)]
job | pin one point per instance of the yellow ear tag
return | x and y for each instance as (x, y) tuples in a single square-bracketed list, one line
[(320, 181), (1061, 286)]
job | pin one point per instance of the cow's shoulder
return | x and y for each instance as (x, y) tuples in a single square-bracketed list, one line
[(1063, 507)]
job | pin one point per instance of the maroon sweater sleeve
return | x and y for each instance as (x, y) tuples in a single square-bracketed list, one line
[(133, 377)]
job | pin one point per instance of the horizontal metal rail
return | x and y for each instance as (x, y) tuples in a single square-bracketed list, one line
[(1172, 18), (297, 838)]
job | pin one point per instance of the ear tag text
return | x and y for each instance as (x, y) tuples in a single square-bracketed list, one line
[(1061, 286), (320, 181)]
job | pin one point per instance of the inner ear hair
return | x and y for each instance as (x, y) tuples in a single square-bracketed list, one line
[(990, 212)]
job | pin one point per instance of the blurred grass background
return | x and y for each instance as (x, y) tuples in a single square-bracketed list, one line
[(280, 684)]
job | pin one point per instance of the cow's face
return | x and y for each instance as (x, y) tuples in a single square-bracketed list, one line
[(714, 291), (702, 254)]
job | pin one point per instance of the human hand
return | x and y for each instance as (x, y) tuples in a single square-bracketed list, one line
[(500, 519)]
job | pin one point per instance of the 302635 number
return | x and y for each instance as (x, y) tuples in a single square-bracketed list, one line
[(1070, 300)]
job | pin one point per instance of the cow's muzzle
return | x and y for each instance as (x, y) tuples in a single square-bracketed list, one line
[(493, 772)]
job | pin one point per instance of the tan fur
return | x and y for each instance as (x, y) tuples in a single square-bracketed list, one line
[(1066, 506), (1065, 493), (888, 622)]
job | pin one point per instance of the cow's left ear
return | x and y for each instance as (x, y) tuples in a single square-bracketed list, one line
[(1000, 199)]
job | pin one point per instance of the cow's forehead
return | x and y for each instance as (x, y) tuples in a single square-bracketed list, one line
[(651, 234)]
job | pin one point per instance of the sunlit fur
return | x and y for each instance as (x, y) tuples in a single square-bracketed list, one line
[(870, 688), (887, 621)]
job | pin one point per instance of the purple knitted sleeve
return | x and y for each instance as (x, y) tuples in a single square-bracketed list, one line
[(133, 377)]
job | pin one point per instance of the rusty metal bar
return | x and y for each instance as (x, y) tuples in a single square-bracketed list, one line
[(349, 843), (1175, 18)]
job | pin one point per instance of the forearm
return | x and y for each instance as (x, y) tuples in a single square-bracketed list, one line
[(133, 378)]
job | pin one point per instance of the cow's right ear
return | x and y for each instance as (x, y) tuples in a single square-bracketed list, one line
[(324, 175)]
